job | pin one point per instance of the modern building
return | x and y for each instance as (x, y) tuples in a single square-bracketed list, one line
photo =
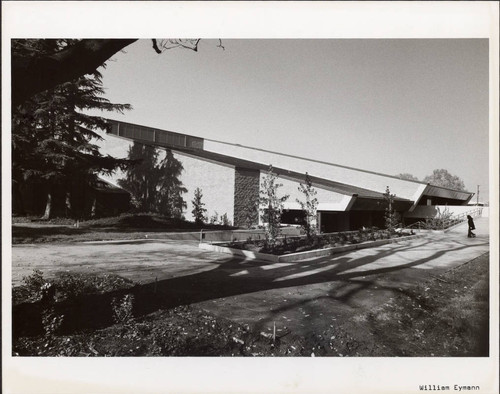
[(230, 176)]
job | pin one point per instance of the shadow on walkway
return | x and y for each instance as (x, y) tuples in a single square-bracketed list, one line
[(231, 278)]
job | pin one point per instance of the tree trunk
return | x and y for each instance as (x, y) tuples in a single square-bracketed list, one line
[(48, 207), (68, 204), (17, 199), (94, 208)]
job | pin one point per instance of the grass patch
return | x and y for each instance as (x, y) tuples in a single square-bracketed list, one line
[(126, 226)]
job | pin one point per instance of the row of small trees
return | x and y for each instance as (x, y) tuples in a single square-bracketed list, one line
[(271, 207)]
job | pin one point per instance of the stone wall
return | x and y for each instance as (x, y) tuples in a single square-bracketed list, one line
[(246, 194)]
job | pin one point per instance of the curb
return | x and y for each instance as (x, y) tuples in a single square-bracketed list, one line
[(125, 241), (292, 257)]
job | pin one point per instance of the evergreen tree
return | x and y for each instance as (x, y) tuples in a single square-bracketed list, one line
[(271, 206), (309, 207), (52, 135), (171, 189), (142, 178), (198, 207), (155, 187)]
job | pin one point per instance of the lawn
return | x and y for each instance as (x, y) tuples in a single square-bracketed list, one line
[(126, 226)]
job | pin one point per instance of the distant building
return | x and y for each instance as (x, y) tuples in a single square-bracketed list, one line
[(230, 177), (77, 200)]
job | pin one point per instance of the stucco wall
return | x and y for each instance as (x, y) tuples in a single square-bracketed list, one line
[(113, 146), (216, 182), (402, 188), (430, 211), (327, 200), (290, 187)]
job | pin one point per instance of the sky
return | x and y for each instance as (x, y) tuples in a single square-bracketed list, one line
[(385, 105)]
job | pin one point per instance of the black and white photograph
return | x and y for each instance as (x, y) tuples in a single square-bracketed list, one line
[(298, 204)]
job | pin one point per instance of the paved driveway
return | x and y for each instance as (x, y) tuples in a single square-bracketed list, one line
[(302, 295), (141, 261)]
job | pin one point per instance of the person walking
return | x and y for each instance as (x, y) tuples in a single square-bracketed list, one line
[(471, 227)]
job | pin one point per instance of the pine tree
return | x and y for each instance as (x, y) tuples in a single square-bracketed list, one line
[(198, 207), (154, 186), (170, 201), (271, 206), (309, 207), (141, 179), (52, 135)]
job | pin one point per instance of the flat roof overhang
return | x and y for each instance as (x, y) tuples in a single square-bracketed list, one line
[(379, 204), (442, 192)]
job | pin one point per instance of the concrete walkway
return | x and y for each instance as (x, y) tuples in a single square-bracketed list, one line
[(304, 295)]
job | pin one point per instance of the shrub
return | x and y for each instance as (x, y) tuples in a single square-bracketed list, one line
[(122, 309), (74, 285), (51, 322), (442, 220), (33, 284), (67, 286)]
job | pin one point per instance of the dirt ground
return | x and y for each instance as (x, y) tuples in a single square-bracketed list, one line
[(303, 298)]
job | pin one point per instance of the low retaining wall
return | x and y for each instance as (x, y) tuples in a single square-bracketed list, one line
[(292, 257)]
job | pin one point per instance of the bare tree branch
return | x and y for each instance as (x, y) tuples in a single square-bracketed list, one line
[(155, 46), (162, 44)]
